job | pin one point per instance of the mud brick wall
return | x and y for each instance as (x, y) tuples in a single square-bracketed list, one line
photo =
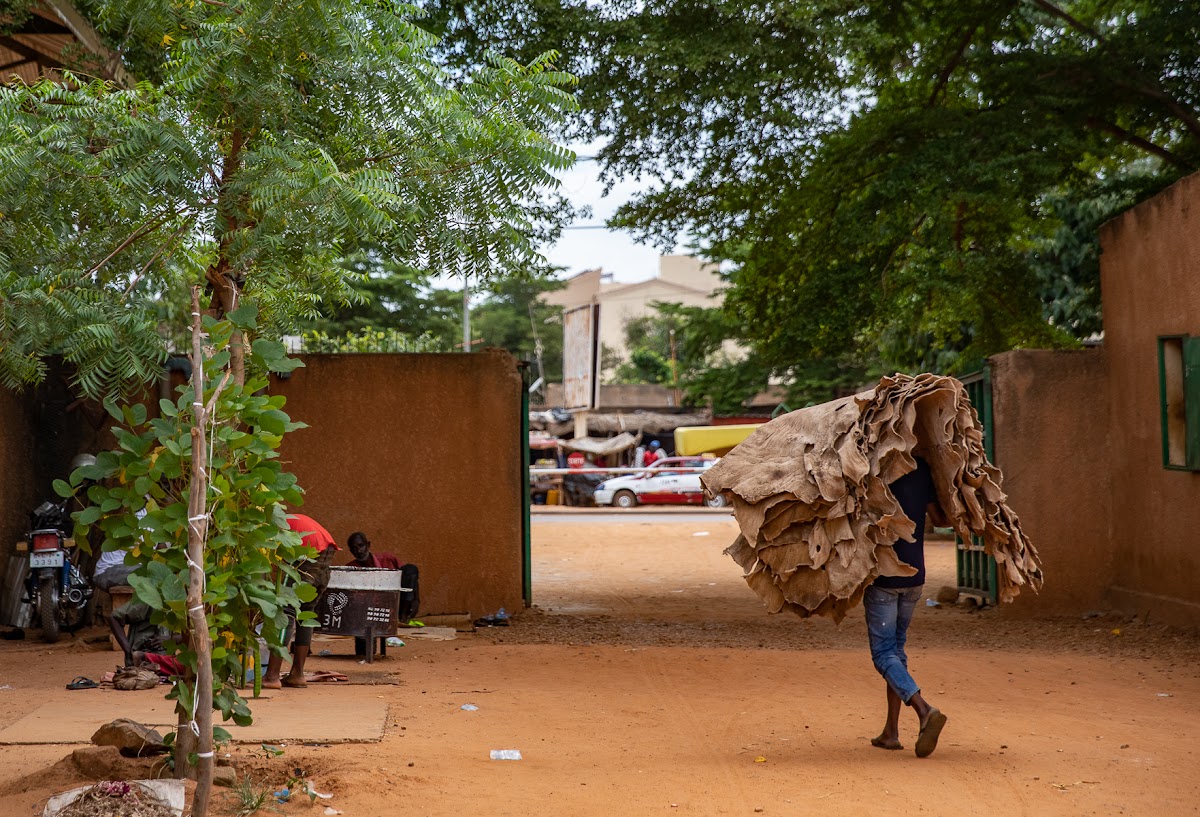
[(1052, 444), (1150, 277), (421, 452), (18, 486)]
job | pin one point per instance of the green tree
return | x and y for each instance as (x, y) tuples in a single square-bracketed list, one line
[(391, 295), (265, 142), (513, 317), (711, 373), (645, 366), (879, 170), (215, 567)]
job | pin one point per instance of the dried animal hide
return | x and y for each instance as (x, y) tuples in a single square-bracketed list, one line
[(810, 494)]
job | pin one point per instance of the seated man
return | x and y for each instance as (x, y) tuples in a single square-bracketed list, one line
[(316, 573), (111, 570), (360, 547)]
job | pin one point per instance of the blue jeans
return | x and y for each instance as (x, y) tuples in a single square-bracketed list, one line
[(889, 612)]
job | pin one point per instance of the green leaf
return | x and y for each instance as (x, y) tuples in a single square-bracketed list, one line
[(286, 364), (88, 515), (244, 317), (63, 489), (273, 421), (306, 592), (145, 590)]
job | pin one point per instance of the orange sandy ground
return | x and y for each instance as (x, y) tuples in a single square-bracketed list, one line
[(648, 680)]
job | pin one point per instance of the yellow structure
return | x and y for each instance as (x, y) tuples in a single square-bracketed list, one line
[(693, 440)]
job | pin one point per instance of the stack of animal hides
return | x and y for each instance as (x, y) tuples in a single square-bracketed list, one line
[(810, 494)]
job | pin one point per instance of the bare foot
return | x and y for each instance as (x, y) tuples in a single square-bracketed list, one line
[(295, 683), (272, 684), (883, 742)]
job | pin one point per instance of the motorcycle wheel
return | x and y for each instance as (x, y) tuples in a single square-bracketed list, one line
[(48, 606)]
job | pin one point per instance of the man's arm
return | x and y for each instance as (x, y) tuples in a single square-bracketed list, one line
[(936, 515)]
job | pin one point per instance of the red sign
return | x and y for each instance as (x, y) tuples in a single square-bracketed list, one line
[(576, 460)]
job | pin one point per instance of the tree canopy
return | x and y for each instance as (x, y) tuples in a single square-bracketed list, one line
[(263, 142), (914, 181)]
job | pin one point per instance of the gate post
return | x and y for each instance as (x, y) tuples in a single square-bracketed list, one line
[(976, 570)]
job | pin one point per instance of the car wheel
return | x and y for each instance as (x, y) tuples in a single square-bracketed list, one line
[(625, 499), (717, 501)]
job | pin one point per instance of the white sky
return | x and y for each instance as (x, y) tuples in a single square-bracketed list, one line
[(614, 250), (594, 246)]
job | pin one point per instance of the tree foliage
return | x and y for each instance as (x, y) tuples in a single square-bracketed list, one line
[(513, 317), (392, 296), (265, 142), (715, 372), (369, 339), (883, 176), (139, 499)]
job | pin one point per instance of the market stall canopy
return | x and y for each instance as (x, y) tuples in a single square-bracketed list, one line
[(810, 494), (643, 422), (602, 447)]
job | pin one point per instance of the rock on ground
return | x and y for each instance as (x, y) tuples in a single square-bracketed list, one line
[(130, 737)]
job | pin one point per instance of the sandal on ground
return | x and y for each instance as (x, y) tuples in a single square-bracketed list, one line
[(322, 676), (931, 728), (82, 682)]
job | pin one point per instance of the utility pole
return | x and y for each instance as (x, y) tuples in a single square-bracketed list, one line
[(674, 369), (466, 313), (537, 346)]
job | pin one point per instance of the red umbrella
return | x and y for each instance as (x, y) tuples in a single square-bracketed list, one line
[(311, 532)]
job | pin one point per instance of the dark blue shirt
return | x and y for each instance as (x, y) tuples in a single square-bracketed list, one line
[(914, 491)]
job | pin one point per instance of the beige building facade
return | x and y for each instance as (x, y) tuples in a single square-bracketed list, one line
[(682, 279)]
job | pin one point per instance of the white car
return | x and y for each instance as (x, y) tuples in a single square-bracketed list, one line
[(670, 481)]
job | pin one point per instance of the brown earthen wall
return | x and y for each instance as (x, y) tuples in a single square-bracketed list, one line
[(17, 487), (422, 453), (1150, 277), (42, 429), (1051, 443)]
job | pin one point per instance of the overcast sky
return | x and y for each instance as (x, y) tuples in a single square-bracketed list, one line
[(588, 244), (583, 247)]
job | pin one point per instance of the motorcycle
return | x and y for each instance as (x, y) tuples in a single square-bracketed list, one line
[(56, 587)]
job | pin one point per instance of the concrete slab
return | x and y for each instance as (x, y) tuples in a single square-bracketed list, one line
[(313, 715)]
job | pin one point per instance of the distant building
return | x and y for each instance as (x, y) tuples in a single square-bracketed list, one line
[(682, 279)]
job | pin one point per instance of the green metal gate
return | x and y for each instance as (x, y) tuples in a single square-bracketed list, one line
[(976, 569)]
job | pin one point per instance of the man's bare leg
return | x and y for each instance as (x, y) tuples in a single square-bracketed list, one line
[(889, 738), (270, 678), (295, 676)]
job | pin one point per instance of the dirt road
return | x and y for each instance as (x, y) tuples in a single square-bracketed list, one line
[(648, 680)]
